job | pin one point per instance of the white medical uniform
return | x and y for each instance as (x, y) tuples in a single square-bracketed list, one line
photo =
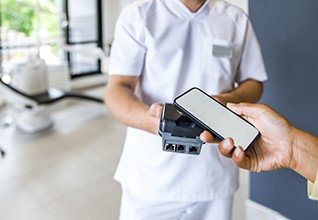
[(172, 49)]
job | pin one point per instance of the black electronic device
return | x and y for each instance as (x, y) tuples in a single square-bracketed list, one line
[(179, 133), (215, 117)]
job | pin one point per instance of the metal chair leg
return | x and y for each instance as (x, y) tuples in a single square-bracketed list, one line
[(2, 152)]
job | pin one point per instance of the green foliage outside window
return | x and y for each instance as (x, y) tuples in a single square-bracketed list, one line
[(19, 15)]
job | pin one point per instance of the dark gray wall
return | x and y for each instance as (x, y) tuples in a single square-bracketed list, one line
[(288, 34)]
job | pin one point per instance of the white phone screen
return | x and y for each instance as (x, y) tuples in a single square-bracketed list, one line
[(216, 118)]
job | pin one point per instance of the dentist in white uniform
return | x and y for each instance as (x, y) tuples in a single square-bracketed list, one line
[(162, 48)]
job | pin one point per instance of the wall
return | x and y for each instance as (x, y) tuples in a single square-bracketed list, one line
[(287, 32), (112, 9), (241, 3)]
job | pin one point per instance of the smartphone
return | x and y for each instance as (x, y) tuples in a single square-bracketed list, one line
[(215, 117)]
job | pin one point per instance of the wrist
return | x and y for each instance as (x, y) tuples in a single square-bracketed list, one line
[(304, 160), (296, 153)]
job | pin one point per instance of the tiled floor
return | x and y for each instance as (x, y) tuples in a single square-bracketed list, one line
[(66, 173)]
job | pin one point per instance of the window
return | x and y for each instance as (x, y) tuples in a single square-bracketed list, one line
[(28, 28), (83, 36), (58, 31)]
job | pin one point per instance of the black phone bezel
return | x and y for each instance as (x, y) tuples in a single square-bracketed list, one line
[(213, 132)]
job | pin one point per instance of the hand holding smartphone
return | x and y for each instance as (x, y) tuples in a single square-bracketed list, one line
[(215, 117)]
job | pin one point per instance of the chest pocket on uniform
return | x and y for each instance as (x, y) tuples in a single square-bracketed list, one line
[(218, 59)]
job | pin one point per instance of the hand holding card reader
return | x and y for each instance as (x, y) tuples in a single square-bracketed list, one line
[(179, 133), (216, 118)]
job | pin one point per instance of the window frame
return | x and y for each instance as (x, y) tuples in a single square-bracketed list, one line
[(99, 41)]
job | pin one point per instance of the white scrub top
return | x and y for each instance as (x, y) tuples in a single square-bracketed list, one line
[(172, 50)]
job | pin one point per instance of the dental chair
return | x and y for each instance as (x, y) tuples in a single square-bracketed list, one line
[(33, 119)]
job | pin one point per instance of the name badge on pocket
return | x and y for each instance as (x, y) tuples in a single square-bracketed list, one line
[(222, 51)]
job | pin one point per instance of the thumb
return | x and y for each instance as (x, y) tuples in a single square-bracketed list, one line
[(155, 110)]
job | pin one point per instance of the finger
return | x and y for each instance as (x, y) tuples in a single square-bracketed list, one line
[(241, 159), (226, 147), (207, 137), (155, 110), (249, 110)]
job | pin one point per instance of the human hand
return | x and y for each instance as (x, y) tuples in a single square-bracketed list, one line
[(273, 150), (154, 113), (220, 99)]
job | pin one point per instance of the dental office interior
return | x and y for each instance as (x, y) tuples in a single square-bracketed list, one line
[(60, 146)]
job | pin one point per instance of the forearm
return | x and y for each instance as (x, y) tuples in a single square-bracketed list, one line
[(247, 91), (127, 109), (305, 154)]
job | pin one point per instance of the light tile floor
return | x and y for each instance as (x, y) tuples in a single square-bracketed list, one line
[(66, 173)]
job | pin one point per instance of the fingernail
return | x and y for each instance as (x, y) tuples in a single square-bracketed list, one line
[(227, 144), (202, 137), (229, 104), (238, 152)]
